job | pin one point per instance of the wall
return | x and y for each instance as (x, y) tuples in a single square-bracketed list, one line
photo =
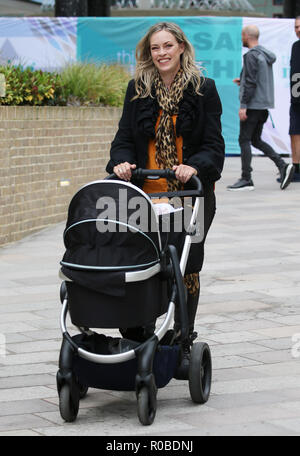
[(41, 150), (270, 8)]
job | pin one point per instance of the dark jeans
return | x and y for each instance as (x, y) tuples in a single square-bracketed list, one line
[(250, 133), (291, 8)]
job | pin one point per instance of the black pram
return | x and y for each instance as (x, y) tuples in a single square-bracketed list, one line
[(121, 270)]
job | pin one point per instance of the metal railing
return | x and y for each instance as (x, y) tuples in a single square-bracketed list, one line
[(217, 5)]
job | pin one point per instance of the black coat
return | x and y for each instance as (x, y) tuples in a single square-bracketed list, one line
[(198, 122)]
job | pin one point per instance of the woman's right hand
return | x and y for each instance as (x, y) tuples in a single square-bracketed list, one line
[(124, 170)]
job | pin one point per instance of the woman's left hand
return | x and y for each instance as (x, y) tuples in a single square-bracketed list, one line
[(184, 172)]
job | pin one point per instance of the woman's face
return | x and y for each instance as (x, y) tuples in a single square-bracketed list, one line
[(166, 52)]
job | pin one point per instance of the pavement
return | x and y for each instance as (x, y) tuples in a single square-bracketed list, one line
[(249, 314)]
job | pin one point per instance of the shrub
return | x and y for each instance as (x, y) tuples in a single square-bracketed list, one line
[(25, 86), (89, 83), (79, 83)]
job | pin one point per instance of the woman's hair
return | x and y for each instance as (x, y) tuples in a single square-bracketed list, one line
[(146, 70)]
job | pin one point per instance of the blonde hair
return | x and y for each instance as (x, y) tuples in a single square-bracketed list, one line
[(146, 70)]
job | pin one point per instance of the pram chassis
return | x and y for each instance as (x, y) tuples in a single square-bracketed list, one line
[(145, 383)]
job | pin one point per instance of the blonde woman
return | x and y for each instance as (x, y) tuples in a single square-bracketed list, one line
[(171, 119)]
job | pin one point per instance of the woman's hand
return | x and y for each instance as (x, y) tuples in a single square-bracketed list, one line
[(124, 170), (184, 172)]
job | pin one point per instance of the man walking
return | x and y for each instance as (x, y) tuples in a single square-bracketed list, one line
[(295, 103), (256, 97)]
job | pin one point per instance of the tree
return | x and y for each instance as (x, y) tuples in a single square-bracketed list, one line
[(81, 8)]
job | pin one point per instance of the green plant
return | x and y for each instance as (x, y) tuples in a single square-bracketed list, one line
[(26, 86), (90, 83), (85, 84)]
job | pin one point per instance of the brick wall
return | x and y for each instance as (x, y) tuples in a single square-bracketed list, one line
[(41, 150)]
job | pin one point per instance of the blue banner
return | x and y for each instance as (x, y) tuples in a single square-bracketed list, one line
[(217, 43)]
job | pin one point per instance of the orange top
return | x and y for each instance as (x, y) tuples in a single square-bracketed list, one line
[(159, 185)]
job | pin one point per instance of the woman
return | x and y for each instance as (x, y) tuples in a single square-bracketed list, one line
[(171, 119)]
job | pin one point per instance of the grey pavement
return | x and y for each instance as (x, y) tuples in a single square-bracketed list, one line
[(249, 314)]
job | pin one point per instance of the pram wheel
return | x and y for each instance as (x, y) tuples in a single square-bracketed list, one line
[(146, 406), (68, 407), (83, 391), (200, 372)]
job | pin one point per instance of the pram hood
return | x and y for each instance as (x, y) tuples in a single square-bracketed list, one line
[(111, 226)]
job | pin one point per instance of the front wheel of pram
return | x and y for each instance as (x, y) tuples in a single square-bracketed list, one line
[(146, 406), (200, 372), (68, 407)]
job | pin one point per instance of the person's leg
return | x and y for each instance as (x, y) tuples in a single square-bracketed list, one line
[(288, 8), (294, 132), (263, 146), (246, 131), (297, 9), (286, 170), (295, 146)]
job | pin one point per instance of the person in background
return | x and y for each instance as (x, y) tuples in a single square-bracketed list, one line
[(294, 130), (291, 8), (172, 120), (256, 97)]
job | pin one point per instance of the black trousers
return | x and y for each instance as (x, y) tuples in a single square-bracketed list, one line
[(250, 133), (291, 8)]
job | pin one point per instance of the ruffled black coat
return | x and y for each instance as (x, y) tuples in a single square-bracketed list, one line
[(198, 122)]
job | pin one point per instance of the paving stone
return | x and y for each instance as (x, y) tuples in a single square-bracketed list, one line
[(249, 313), (239, 348), (271, 356), (26, 406), (26, 380), (283, 331), (19, 433), (37, 346), (37, 357), (21, 394), (25, 369), (225, 362), (281, 369), (17, 422), (225, 306)]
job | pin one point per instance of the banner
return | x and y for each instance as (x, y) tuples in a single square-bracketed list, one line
[(216, 40), (37, 42), (50, 43)]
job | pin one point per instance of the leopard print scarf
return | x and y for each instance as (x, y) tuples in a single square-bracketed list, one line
[(165, 143), (165, 138)]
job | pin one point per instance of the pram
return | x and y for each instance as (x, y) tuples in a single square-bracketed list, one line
[(121, 270)]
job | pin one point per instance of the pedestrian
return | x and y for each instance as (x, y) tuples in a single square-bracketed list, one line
[(291, 8), (256, 97), (171, 119), (294, 130)]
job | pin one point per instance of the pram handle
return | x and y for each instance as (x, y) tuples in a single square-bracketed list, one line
[(169, 174)]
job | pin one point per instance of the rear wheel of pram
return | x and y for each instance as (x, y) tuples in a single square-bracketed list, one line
[(146, 406), (200, 372), (83, 391), (67, 406)]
